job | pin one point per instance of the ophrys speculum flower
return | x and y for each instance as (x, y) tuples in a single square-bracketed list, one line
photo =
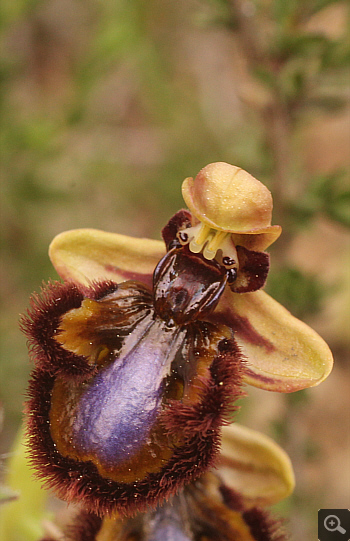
[(131, 386), (134, 381)]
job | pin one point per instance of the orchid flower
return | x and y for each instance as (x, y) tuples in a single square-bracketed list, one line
[(140, 355)]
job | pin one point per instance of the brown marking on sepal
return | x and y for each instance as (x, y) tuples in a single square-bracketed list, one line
[(145, 279), (242, 327), (263, 379), (273, 382)]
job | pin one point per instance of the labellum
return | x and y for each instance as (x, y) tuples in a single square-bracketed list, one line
[(131, 386)]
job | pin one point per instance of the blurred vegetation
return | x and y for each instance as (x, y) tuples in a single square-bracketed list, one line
[(107, 106)]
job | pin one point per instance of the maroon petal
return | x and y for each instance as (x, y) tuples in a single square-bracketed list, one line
[(180, 220), (253, 270)]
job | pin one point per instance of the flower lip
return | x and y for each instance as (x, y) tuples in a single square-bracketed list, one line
[(227, 198), (66, 326)]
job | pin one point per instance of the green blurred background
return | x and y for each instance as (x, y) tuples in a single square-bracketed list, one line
[(106, 106)]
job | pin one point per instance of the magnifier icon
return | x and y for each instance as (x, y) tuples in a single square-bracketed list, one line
[(332, 524)]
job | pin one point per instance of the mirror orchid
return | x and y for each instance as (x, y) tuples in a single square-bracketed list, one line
[(140, 355)]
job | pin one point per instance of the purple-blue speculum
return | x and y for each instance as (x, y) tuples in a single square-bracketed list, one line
[(116, 413)]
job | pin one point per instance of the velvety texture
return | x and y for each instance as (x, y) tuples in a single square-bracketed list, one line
[(206, 510)]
